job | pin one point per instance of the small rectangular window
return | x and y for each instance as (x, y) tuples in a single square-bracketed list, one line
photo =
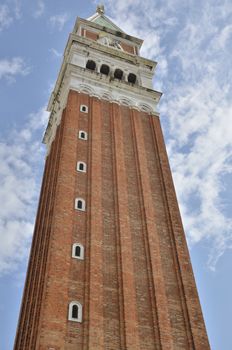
[(75, 311), (83, 135), (81, 166), (80, 204), (78, 251), (84, 108)]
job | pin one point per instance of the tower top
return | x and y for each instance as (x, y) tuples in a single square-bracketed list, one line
[(100, 9), (99, 18), (96, 44)]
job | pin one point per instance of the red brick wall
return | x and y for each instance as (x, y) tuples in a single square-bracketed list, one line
[(135, 282), (35, 282), (127, 48), (91, 35)]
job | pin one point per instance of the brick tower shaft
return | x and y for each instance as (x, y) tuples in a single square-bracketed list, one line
[(109, 267)]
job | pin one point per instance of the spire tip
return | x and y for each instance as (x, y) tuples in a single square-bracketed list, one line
[(100, 9)]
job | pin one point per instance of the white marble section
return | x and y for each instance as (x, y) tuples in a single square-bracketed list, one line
[(75, 76)]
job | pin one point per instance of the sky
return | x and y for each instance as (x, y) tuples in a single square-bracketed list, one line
[(192, 43)]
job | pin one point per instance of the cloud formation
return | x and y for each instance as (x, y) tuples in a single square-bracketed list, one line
[(20, 154), (55, 53), (17, 9), (58, 21), (9, 68), (193, 47), (5, 17), (40, 9)]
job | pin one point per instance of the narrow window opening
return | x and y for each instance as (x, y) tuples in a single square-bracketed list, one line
[(132, 78), (91, 65), (75, 311), (83, 135), (78, 251), (118, 73), (80, 204), (81, 166), (84, 108), (105, 69)]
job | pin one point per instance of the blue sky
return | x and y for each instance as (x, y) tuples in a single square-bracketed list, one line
[(192, 42)]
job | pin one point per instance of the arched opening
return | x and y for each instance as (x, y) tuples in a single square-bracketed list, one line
[(132, 78), (81, 166), (75, 311), (78, 251), (91, 65), (80, 204), (118, 74), (83, 135), (145, 107), (84, 108), (105, 69)]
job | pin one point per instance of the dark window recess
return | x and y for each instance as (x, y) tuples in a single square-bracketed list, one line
[(75, 311), (105, 69), (78, 251), (118, 74), (91, 65), (132, 78), (79, 204), (83, 108), (81, 166)]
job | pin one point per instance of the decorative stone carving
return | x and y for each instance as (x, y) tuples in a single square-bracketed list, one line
[(108, 41)]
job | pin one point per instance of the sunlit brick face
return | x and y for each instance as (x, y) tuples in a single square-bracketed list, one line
[(109, 266)]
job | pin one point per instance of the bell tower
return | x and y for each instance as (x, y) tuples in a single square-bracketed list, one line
[(109, 267)]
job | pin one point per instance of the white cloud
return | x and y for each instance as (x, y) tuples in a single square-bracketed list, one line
[(9, 13), (58, 21), (194, 46), (40, 9), (5, 17), (224, 36), (9, 68), (201, 154), (19, 155), (38, 120), (17, 9), (55, 53)]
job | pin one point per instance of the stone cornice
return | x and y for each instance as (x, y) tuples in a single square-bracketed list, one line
[(108, 82), (74, 38), (102, 87)]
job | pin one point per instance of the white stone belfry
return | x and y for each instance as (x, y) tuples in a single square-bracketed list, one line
[(103, 61)]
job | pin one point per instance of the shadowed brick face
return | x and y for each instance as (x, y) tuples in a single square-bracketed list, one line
[(135, 283)]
